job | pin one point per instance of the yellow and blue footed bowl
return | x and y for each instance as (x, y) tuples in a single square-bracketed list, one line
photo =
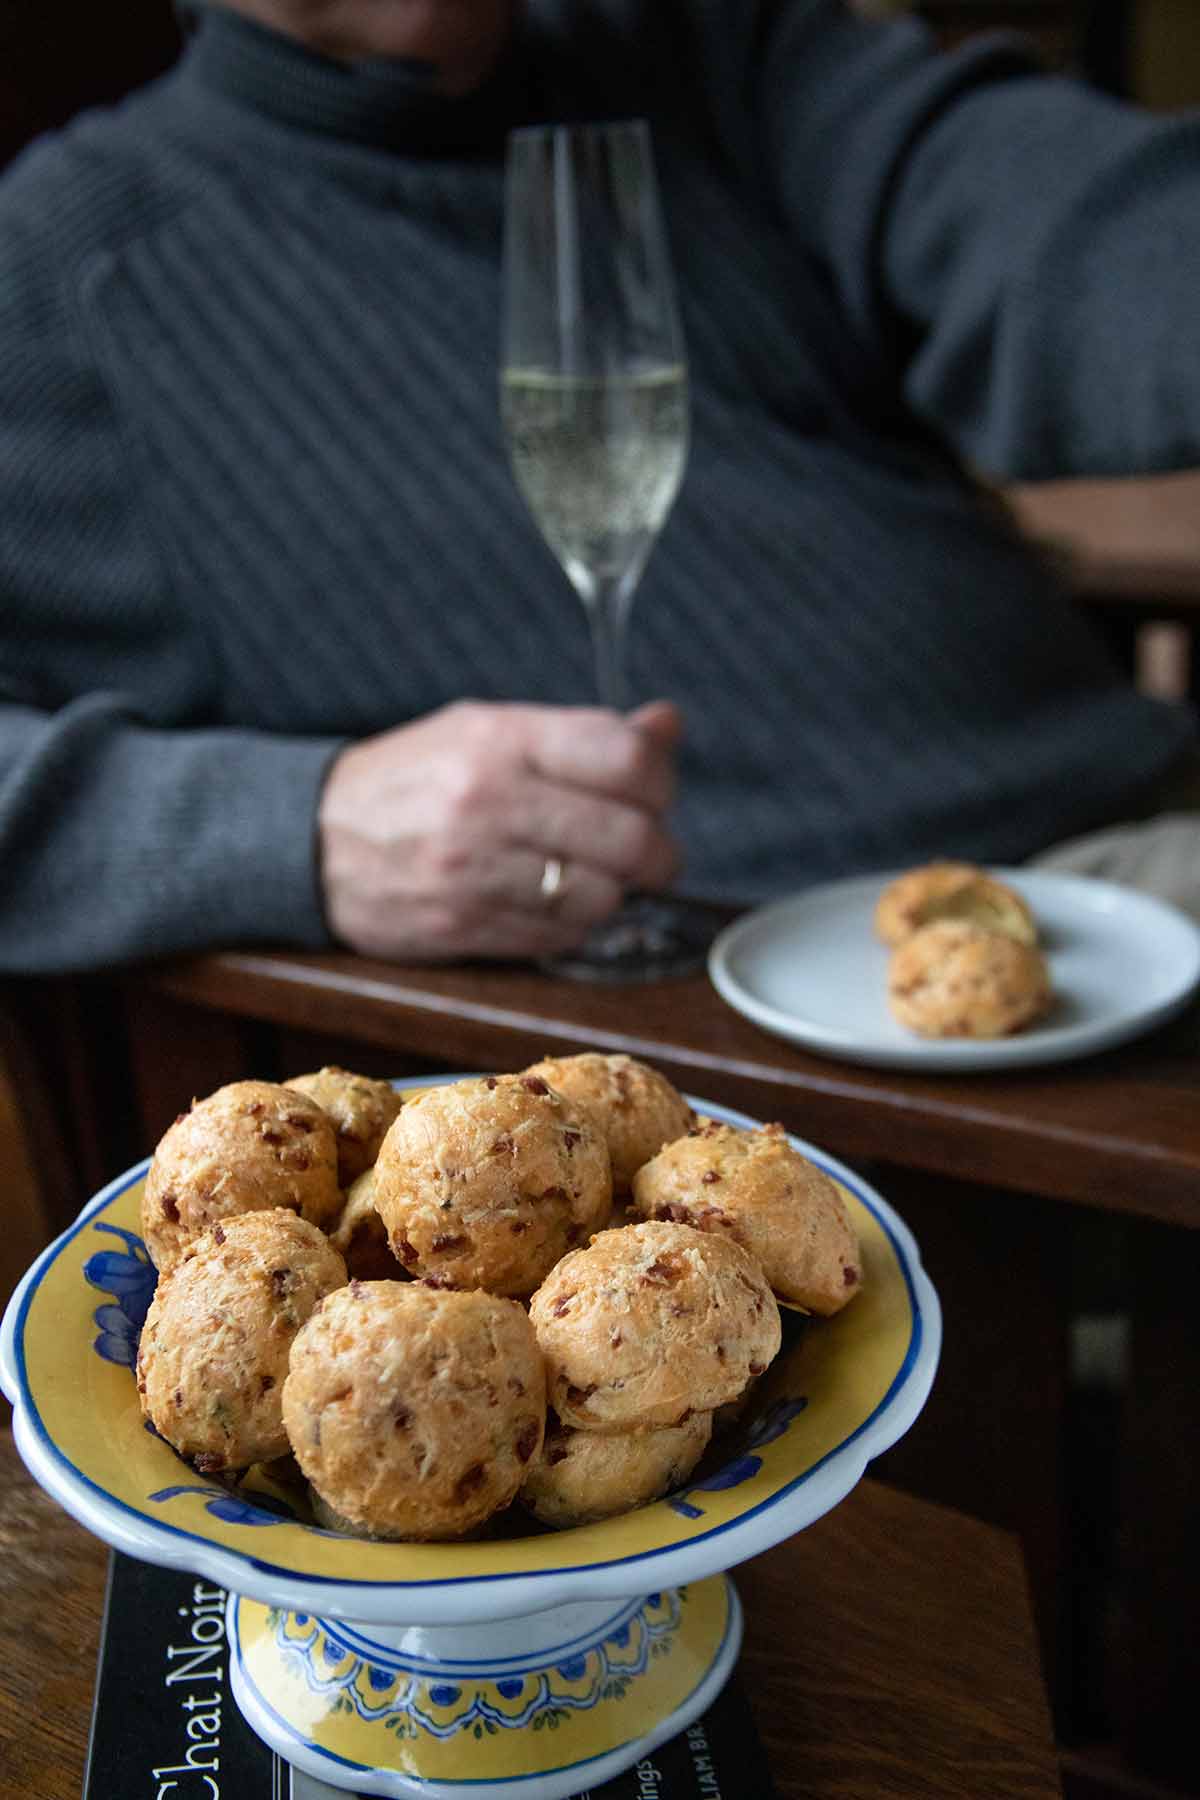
[(526, 1665)]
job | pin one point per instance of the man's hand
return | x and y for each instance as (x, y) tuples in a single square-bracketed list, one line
[(434, 838)]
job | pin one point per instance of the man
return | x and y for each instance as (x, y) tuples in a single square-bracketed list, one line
[(281, 654)]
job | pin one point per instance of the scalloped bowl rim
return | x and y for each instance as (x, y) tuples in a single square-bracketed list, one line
[(471, 1598)]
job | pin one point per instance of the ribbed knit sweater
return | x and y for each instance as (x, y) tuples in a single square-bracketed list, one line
[(254, 499)]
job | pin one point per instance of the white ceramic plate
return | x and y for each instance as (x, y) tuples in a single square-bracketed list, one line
[(811, 970)]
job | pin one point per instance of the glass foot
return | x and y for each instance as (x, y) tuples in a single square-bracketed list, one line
[(652, 938)]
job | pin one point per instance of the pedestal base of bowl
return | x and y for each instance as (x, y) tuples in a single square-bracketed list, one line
[(538, 1708)]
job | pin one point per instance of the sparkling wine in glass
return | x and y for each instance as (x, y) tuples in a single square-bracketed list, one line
[(594, 407)]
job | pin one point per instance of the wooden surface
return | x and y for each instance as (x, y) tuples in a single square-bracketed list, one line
[(1005, 1180), (1115, 1132), (51, 1595), (1009, 1181), (890, 1652)]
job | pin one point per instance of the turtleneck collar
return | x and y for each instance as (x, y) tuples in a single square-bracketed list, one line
[(388, 104)]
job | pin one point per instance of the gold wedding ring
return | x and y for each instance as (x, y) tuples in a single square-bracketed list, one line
[(553, 882)]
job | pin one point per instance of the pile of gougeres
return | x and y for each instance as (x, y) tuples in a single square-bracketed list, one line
[(532, 1289), (965, 959)]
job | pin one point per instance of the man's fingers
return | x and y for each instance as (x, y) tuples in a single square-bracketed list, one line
[(549, 885), (495, 830), (660, 719), (605, 753), (612, 837)]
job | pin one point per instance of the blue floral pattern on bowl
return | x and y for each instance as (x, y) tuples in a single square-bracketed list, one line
[(383, 1687), (771, 1425), (235, 1508), (129, 1277)]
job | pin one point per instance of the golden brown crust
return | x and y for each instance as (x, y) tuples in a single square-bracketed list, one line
[(581, 1476), (952, 890), (213, 1354), (415, 1412), (953, 979), (361, 1109), (636, 1107), (652, 1323), (754, 1186), (486, 1183), (996, 906), (361, 1237), (250, 1146)]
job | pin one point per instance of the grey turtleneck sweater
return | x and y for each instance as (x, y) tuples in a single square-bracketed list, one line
[(254, 499)]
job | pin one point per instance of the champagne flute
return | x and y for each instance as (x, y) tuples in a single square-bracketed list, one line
[(594, 407)]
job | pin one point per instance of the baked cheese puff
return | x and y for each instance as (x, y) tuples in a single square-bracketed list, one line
[(952, 890), (361, 1108), (486, 1183), (415, 1412), (760, 1190), (360, 1236), (582, 1476), (638, 1109), (213, 1354), (650, 1324), (251, 1146), (953, 979)]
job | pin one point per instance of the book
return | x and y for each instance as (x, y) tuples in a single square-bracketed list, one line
[(165, 1723)]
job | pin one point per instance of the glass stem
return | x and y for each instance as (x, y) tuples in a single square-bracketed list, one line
[(607, 607)]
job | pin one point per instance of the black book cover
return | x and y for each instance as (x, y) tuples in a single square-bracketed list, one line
[(165, 1723)]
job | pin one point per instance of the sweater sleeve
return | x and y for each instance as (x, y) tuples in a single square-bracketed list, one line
[(122, 841), (1024, 249), (131, 822)]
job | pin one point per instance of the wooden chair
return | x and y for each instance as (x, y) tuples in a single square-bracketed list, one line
[(66, 1123), (1129, 550)]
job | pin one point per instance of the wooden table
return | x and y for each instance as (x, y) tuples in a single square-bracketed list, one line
[(889, 1651), (1000, 1178)]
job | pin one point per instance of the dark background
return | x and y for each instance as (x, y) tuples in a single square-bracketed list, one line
[(57, 56)]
